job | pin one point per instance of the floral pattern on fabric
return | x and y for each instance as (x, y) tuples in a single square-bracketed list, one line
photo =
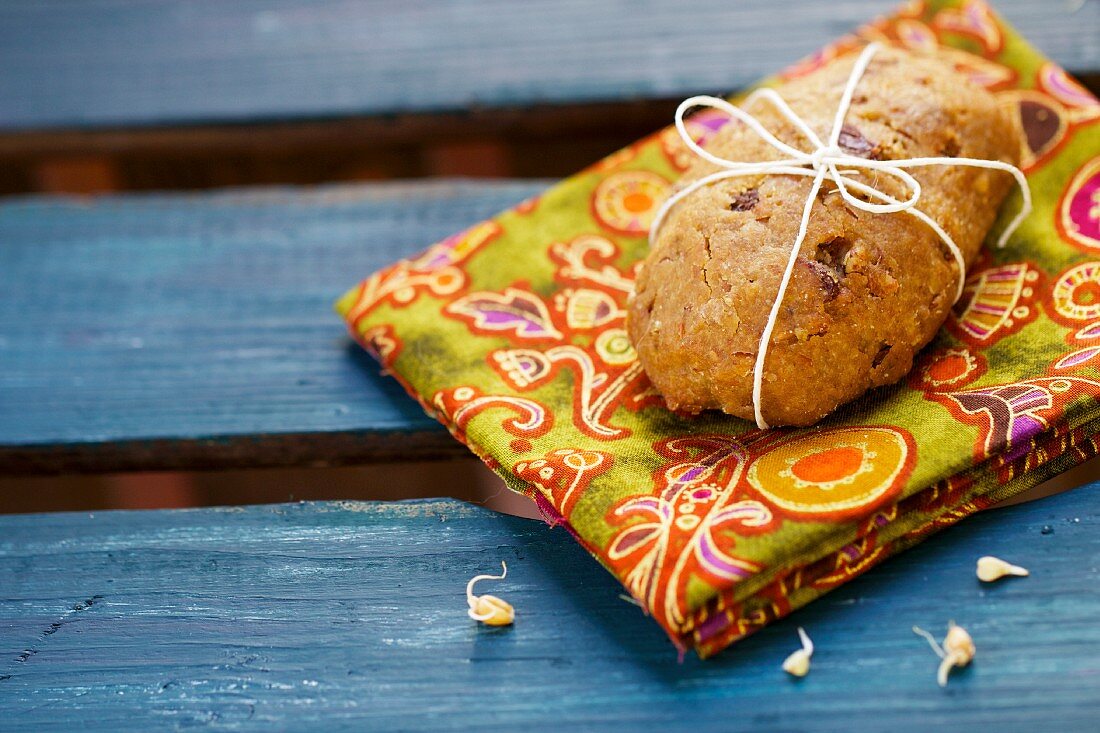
[(512, 334)]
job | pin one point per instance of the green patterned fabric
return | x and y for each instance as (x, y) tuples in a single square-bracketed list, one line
[(511, 334)]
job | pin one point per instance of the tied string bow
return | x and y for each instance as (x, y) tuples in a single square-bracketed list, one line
[(826, 161)]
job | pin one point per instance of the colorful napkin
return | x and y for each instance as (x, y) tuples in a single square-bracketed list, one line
[(511, 334)]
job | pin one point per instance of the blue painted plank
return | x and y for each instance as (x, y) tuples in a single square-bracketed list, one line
[(147, 62), (162, 331), (351, 616)]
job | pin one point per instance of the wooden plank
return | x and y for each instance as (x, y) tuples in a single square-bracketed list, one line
[(628, 120), (191, 331), (152, 62), (339, 616)]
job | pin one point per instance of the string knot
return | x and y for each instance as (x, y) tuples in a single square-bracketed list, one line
[(827, 154), (826, 161)]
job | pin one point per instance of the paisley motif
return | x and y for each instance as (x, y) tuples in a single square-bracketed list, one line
[(996, 302), (563, 474), (1056, 82), (573, 258), (456, 248), (437, 271), (614, 347), (399, 286), (1008, 416), (973, 19), (702, 126), (916, 35), (626, 202), (1044, 122), (596, 391), (946, 369), (587, 308), (850, 562), (1082, 106), (383, 342), (1077, 358), (1086, 336), (981, 71), (1088, 333), (616, 159), (1012, 413), (1079, 208), (836, 473), (688, 530), (512, 334), (516, 311), (1079, 443), (1075, 296), (462, 404)]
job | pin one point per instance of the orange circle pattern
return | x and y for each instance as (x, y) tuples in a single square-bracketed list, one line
[(1076, 295), (626, 202), (834, 474)]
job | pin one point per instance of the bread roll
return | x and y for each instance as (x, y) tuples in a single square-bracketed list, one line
[(868, 290)]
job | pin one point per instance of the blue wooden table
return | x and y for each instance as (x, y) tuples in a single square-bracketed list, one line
[(103, 63), (351, 616), (197, 331)]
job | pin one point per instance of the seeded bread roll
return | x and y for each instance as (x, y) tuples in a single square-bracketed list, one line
[(868, 290)]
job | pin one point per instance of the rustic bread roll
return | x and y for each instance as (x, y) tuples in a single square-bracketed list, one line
[(868, 290)]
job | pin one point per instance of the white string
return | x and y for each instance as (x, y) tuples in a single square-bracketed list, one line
[(823, 163)]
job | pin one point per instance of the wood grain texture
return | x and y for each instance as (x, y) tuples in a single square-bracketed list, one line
[(151, 62), (351, 616), (197, 331)]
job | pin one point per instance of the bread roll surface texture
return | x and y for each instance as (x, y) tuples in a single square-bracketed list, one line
[(868, 290)]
